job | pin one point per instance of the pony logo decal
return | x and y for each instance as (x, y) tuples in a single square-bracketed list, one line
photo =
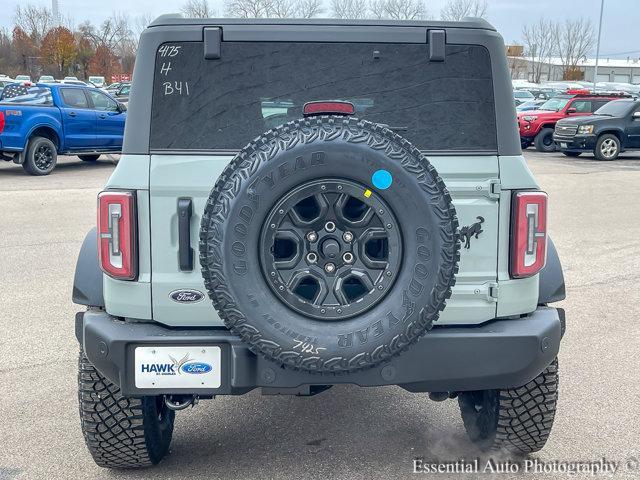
[(473, 230)]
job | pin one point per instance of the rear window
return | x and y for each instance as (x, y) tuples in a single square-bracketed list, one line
[(26, 95), (223, 104)]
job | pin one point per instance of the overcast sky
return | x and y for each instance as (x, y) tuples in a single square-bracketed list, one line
[(621, 22)]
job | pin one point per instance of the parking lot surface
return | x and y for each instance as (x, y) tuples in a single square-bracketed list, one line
[(346, 432)]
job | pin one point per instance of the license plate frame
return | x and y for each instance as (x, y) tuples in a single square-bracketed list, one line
[(178, 367)]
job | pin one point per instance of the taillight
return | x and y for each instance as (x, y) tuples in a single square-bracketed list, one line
[(328, 108), (528, 233), (117, 228), (1, 121)]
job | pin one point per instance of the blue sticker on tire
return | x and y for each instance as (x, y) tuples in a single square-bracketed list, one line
[(381, 179)]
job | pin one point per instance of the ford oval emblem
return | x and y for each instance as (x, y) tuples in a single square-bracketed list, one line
[(196, 368), (186, 296)]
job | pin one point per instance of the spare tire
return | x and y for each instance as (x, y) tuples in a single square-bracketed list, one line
[(329, 244)]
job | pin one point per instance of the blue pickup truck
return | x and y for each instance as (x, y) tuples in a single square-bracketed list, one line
[(40, 121)]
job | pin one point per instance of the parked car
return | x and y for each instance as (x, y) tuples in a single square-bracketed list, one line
[(536, 126), (115, 86), (23, 78), (70, 78), (122, 93), (233, 254), (530, 105), (39, 122), (46, 79), (521, 96), (611, 130), (96, 80)]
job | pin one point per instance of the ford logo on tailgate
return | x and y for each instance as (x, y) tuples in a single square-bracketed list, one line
[(196, 368), (186, 296)]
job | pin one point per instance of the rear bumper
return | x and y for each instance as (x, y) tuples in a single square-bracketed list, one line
[(577, 143), (498, 354)]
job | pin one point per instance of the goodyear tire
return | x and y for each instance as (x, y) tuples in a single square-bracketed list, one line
[(121, 432), (517, 420), (329, 192)]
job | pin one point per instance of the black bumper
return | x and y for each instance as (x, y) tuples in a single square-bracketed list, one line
[(577, 143), (498, 354)]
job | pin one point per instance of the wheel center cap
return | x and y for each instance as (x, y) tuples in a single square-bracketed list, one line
[(330, 248)]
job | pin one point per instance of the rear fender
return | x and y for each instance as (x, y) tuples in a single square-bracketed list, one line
[(551, 278), (87, 283)]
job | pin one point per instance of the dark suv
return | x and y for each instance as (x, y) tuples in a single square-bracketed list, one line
[(536, 126), (611, 130), (307, 203)]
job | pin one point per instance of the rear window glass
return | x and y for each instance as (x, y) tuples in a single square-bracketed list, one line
[(225, 103), (26, 95)]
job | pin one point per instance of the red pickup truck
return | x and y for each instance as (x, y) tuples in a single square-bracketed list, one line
[(536, 126)]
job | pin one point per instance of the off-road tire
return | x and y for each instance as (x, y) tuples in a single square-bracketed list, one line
[(31, 164), (244, 299), (541, 141), (517, 420), (121, 432), (599, 143), (572, 154), (89, 158)]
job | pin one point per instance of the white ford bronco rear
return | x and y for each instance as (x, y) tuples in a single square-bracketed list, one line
[(301, 204)]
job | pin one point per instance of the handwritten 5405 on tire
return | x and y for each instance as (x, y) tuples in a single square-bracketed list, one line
[(329, 244)]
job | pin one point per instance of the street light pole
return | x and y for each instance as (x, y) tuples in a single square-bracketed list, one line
[(595, 71)]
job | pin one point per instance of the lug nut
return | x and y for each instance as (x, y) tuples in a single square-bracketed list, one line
[(347, 237), (312, 257), (329, 226), (312, 236), (347, 257), (329, 268)]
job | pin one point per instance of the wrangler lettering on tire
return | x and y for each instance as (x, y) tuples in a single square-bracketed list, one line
[(311, 264)]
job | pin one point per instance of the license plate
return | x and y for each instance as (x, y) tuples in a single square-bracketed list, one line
[(178, 367), (563, 145)]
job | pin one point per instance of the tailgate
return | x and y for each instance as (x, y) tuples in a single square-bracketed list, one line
[(472, 181)]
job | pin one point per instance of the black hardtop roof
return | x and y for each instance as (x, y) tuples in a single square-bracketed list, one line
[(175, 19)]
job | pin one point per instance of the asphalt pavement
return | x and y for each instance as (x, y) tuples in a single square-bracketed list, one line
[(346, 432)]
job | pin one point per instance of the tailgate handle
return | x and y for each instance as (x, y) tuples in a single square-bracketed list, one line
[(185, 252)]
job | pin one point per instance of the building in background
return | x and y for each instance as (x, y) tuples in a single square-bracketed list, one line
[(609, 69)]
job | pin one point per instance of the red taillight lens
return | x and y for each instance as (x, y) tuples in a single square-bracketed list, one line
[(1, 121), (328, 108), (528, 233), (117, 228)]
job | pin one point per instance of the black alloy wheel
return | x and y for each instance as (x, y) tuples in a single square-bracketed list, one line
[(331, 249)]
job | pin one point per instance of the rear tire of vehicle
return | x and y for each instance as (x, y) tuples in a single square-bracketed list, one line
[(607, 147), (41, 156), (88, 158), (517, 420), (121, 432), (572, 154), (544, 141)]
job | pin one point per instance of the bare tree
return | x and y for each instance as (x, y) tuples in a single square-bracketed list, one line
[(309, 8), (34, 20), (456, 10), (198, 9), (248, 8), (398, 9), (282, 9), (573, 39), (539, 45), (352, 9)]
